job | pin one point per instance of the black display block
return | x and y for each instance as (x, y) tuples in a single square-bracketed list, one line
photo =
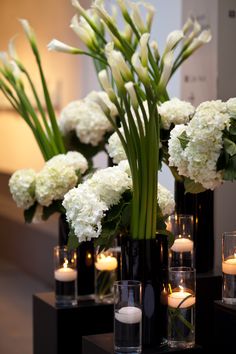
[(208, 289), (224, 327), (60, 330), (103, 344)]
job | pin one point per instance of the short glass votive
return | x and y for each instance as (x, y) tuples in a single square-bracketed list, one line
[(106, 266), (229, 267), (65, 275), (127, 317), (181, 253), (181, 307)]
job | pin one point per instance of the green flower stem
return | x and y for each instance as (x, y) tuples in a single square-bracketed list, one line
[(51, 113), (40, 108)]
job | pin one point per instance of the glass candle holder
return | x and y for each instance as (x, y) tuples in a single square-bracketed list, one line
[(127, 317), (181, 307), (65, 275), (181, 253), (229, 267), (106, 266)]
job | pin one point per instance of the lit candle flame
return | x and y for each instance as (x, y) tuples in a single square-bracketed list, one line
[(65, 264), (181, 288)]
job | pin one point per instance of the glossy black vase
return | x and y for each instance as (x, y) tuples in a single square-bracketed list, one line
[(147, 261), (201, 206), (85, 260)]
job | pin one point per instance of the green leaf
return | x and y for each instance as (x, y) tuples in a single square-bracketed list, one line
[(183, 140), (29, 213), (222, 161), (230, 170), (230, 147), (55, 207), (232, 128), (192, 187), (73, 242)]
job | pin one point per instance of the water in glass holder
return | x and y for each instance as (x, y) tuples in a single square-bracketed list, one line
[(229, 268), (181, 253), (181, 307), (106, 266)]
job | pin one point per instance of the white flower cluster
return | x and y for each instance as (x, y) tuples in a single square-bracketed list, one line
[(115, 148), (165, 200), (22, 187), (56, 178), (175, 112), (204, 135), (85, 205), (87, 119)]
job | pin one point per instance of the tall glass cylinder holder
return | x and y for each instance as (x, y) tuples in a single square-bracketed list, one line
[(65, 275), (229, 267), (181, 253), (181, 307), (106, 267), (127, 316)]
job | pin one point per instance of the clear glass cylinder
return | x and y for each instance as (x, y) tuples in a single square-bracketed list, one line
[(181, 253), (181, 307), (127, 317), (65, 275), (106, 267), (229, 267)]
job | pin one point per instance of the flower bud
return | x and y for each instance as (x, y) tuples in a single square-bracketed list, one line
[(131, 91), (144, 48), (140, 70), (59, 46), (204, 37), (166, 71), (103, 78), (172, 40)]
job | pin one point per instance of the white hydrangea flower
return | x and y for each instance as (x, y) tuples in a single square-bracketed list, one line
[(124, 166), (84, 211), (87, 119), (115, 148), (73, 159), (92, 96), (198, 160), (175, 112), (231, 106), (177, 154), (53, 182), (109, 184), (69, 117), (165, 200), (22, 187)]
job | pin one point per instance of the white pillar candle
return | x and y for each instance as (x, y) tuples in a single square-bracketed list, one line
[(129, 315), (107, 263), (182, 244), (229, 266), (175, 298), (65, 274)]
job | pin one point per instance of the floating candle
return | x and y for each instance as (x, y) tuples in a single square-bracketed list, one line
[(107, 263), (182, 244), (65, 273), (176, 297), (229, 266), (129, 315)]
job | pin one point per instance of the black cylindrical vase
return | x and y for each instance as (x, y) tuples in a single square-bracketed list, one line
[(147, 261), (201, 206), (85, 259)]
